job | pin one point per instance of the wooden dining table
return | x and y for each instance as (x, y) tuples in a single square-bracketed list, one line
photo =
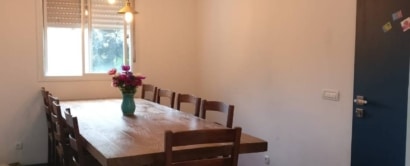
[(138, 140)]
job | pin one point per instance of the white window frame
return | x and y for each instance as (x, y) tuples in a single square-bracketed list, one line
[(41, 53)]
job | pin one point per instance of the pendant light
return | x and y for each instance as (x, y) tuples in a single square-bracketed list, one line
[(111, 1), (128, 11)]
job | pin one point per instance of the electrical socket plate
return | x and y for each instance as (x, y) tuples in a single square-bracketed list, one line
[(19, 146), (330, 94), (267, 160)]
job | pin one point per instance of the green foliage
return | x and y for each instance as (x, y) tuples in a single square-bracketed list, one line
[(107, 49)]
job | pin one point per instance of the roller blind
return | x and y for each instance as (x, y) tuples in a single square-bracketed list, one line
[(104, 15), (63, 13), (67, 13)]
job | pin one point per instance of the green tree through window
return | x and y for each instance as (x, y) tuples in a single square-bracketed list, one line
[(107, 49)]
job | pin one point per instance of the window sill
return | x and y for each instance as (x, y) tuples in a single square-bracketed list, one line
[(94, 77)]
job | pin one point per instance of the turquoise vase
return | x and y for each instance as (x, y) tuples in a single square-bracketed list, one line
[(128, 104)]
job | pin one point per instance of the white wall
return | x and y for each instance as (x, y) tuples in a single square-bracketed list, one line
[(166, 42), (19, 96), (271, 59), (166, 47)]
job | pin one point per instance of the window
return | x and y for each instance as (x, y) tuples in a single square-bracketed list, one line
[(84, 37)]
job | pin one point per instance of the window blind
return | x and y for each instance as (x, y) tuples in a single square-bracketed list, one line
[(63, 13), (67, 13), (104, 15)]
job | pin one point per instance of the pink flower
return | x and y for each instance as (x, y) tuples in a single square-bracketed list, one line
[(114, 84), (140, 77), (112, 71), (122, 77), (126, 81), (138, 82), (126, 68)]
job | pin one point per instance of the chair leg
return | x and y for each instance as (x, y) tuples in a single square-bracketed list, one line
[(52, 156), (67, 156), (59, 157), (50, 153)]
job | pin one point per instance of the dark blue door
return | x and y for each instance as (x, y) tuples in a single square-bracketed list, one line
[(382, 78)]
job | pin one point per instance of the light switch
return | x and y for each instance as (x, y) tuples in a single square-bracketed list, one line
[(330, 94)]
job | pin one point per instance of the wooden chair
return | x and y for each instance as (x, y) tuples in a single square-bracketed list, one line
[(166, 93), (193, 155), (150, 89), (50, 137), (187, 98), (59, 132), (220, 107), (79, 156)]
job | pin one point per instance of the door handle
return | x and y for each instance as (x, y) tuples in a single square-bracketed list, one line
[(359, 112), (360, 100)]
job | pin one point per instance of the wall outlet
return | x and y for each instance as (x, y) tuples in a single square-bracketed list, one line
[(267, 160), (19, 146)]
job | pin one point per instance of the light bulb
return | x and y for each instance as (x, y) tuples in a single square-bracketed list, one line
[(86, 12), (128, 17), (111, 1)]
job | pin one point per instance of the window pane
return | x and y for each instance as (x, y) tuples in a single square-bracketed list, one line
[(107, 50), (83, 37), (63, 52), (107, 37)]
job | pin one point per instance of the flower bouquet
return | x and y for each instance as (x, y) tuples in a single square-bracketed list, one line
[(127, 82)]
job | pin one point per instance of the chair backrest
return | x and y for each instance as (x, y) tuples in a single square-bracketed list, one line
[(187, 98), (47, 108), (75, 139), (59, 131), (220, 107), (166, 93), (45, 94), (55, 111), (150, 89), (50, 136), (221, 157)]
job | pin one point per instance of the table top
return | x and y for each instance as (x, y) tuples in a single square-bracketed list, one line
[(114, 139)]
